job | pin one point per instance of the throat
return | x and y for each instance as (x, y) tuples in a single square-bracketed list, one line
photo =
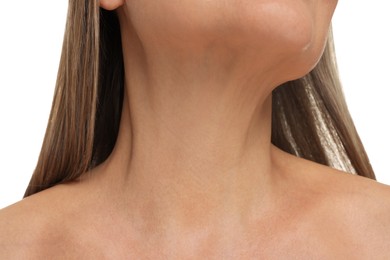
[(194, 143), (191, 177)]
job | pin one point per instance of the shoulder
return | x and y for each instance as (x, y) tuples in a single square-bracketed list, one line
[(344, 209), (362, 214), (324, 179), (336, 184), (361, 197), (367, 203), (33, 224), (351, 208)]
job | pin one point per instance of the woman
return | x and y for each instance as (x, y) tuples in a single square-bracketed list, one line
[(199, 129)]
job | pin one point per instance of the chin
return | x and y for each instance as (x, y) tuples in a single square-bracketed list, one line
[(292, 34), (285, 34)]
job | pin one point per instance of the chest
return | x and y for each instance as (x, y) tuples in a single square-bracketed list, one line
[(284, 240), (308, 245)]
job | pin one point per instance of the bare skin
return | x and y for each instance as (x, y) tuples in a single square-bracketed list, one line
[(319, 213), (194, 173)]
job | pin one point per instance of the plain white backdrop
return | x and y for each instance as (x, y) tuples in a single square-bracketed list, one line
[(31, 38)]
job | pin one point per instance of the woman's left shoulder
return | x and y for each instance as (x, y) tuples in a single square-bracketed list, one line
[(359, 195), (354, 210), (361, 209), (363, 194), (372, 199)]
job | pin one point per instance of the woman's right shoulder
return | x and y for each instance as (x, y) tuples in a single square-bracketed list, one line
[(19, 224), (33, 224)]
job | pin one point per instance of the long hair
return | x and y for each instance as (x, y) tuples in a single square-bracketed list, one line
[(310, 118)]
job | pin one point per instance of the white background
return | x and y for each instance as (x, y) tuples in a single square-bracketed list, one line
[(31, 37)]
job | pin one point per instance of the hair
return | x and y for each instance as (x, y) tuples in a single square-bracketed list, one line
[(310, 118)]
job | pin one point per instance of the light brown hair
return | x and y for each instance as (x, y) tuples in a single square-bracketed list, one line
[(310, 117)]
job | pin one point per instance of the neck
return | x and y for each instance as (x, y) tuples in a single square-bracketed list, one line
[(194, 143)]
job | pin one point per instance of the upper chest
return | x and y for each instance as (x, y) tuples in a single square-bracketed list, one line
[(312, 247), (294, 241)]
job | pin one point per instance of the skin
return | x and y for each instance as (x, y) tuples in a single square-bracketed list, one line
[(194, 173)]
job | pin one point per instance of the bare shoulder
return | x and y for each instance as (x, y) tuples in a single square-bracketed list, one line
[(31, 224), (367, 198), (363, 213), (353, 209)]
